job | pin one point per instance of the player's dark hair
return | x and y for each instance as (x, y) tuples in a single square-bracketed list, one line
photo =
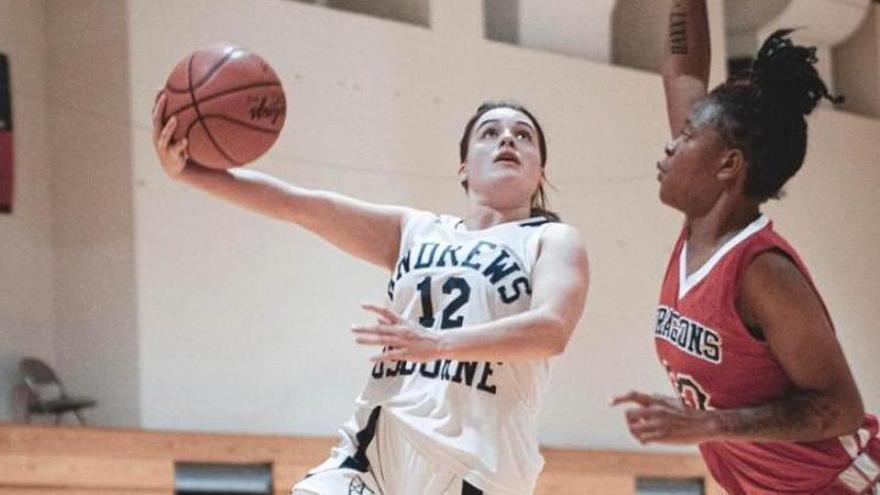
[(539, 200), (763, 112)]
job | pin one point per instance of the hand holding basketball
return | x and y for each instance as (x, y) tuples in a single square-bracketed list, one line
[(172, 156), (228, 103)]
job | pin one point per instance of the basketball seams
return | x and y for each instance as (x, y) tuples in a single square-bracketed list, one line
[(214, 69), (176, 91), (165, 116), (223, 117), (208, 75), (223, 93), (195, 103), (188, 130), (240, 123)]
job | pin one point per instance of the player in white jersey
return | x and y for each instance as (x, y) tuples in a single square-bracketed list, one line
[(476, 307)]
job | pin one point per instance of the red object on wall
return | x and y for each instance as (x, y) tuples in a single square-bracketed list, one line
[(6, 141)]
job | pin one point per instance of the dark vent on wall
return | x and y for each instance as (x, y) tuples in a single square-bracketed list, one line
[(665, 486), (501, 19), (222, 479), (416, 12)]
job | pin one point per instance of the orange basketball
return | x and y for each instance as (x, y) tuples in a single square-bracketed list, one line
[(229, 104)]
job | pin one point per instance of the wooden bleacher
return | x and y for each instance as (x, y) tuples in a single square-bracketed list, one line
[(49, 460)]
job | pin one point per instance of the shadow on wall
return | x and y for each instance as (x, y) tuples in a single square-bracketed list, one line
[(416, 12)]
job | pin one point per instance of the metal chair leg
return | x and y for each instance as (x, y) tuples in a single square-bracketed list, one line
[(80, 417)]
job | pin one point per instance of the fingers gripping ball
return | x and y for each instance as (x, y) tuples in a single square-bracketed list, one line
[(229, 104)]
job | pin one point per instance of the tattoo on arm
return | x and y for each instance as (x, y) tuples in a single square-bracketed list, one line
[(800, 415), (678, 42)]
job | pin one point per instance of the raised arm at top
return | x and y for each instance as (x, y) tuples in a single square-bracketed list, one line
[(686, 62)]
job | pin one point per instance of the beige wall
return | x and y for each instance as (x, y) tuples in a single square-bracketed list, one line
[(26, 271), (857, 67), (92, 216)]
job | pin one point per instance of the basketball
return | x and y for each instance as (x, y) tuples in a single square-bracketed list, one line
[(229, 104)]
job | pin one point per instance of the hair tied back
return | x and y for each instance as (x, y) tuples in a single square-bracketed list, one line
[(784, 73)]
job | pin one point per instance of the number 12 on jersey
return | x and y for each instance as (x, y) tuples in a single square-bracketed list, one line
[(453, 285)]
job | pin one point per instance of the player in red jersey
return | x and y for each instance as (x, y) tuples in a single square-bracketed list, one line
[(763, 386)]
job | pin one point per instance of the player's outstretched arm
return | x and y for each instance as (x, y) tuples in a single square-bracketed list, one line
[(686, 62), (368, 231), (560, 280)]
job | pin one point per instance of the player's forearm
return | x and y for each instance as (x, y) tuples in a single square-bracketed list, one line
[(801, 416), (688, 49), (247, 188), (530, 336), (367, 231)]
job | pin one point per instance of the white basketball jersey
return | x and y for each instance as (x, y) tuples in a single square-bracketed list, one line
[(477, 418)]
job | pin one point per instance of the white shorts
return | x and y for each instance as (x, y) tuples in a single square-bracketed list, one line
[(385, 463)]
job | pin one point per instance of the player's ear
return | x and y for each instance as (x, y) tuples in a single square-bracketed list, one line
[(732, 164)]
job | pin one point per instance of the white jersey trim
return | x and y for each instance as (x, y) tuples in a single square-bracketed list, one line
[(531, 251), (854, 479), (850, 445), (533, 244), (687, 282), (867, 466), (417, 218)]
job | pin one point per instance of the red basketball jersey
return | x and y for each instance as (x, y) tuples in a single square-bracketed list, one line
[(715, 363)]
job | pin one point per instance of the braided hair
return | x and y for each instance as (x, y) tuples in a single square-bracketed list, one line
[(763, 112)]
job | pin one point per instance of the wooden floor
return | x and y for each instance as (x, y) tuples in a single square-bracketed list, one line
[(49, 460)]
